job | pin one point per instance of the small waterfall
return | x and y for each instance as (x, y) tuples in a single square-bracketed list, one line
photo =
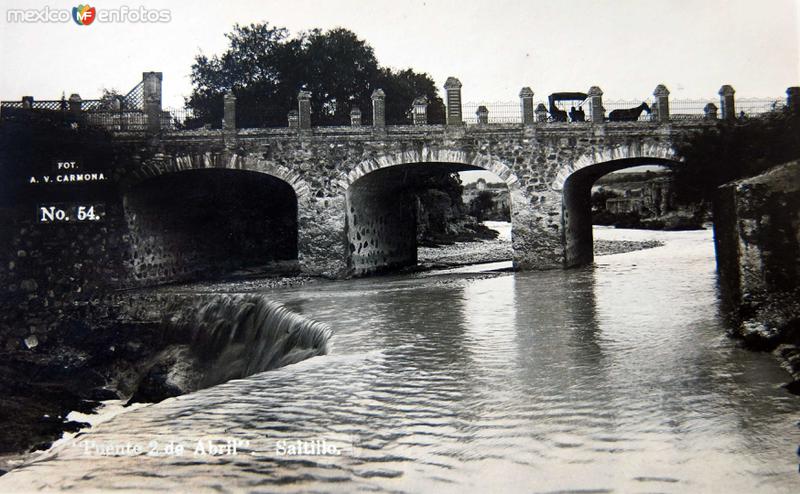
[(240, 335), (227, 337)]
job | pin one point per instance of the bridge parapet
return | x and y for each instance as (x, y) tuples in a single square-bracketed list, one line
[(426, 131), (141, 109)]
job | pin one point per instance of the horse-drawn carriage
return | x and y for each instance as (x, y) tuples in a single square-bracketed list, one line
[(576, 100)]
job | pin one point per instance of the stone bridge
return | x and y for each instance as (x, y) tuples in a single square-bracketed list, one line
[(339, 201), (354, 212)]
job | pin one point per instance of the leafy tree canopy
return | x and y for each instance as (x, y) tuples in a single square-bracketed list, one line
[(735, 149), (481, 205), (265, 67)]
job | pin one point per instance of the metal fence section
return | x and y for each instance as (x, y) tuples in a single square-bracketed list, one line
[(50, 105), (756, 106), (94, 105), (116, 120), (126, 113), (134, 100), (177, 118), (690, 109), (499, 112)]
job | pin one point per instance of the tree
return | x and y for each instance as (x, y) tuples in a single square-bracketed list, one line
[(109, 97), (600, 197), (339, 69), (481, 205), (252, 68), (265, 68), (401, 87), (439, 198), (734, 149)]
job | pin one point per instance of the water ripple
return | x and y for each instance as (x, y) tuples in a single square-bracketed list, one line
[(612, 379)]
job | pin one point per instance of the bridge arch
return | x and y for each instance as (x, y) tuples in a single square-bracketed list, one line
[(635, 151), (575, 182), (433, 155), (189, 221), (381, 215), (210, 160)]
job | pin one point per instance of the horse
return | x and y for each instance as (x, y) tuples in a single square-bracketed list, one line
[(629, 114)]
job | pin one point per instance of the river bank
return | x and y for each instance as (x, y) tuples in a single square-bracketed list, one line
[(158, 344), (76, 372), (500, 249), (467, 383)]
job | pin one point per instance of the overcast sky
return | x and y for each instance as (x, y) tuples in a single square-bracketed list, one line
[(495, 47)]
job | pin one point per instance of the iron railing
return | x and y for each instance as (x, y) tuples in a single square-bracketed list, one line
[(752, 107), (690, 109), (117, 120), (130, 116), (178, 118), (687, 108), (52, 105), (499, 112), (134, 100)]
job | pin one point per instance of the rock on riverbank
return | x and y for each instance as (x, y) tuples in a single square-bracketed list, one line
[(608, 247), (499, 249)]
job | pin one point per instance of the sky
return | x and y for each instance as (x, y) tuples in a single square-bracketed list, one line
[(626, 47)]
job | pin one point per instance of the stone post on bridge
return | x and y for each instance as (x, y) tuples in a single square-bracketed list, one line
[(596, 110), (74, 105), (710, 111), (378, 108), (27, 102), (419, 110), (541, 113), (662, 103), (452, 88), (355, 117), (483, 115), (726, 102), (304, 109), (229, 111), (151, 96), (526, 105), (793, 98)]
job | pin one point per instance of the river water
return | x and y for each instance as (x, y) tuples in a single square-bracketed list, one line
[(614, 378)]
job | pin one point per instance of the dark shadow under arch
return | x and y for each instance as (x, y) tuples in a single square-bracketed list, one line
[(381, 216), (197, 224), (577, 211)]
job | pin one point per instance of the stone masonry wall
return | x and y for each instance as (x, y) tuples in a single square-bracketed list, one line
[(757, 239), (322, 163), (757, 235), (381, 230), (51, 271), (191, 226)]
